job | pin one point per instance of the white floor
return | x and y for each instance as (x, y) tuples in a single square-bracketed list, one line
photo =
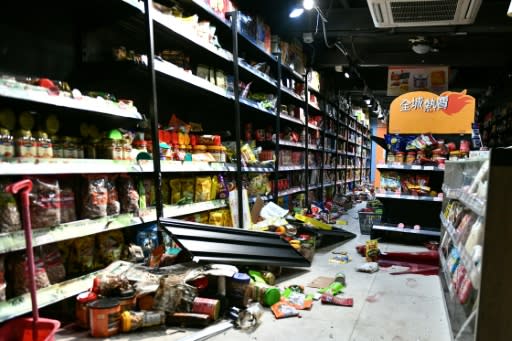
[(386, 307)]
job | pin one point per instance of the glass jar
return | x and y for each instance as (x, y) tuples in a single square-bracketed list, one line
[(117, 152), (91, 149), (79, 148), (68, 148), (200, 148), (58, 151), (410, 158), (399, 157), (6, 143), (44, 145), (127, 149), (26, 145), (140, 145), (391, 158), (218, 153)]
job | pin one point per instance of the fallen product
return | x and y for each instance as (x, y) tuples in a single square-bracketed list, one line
[(342, 301), (370, 267)]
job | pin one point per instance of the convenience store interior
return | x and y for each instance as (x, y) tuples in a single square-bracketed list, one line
[(367, 141)]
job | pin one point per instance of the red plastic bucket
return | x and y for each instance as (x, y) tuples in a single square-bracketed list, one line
[(21, 329)]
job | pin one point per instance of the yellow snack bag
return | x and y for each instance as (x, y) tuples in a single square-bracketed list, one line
[(175, 187), (372, 250), (216, 218), (187, 190), (214, 187), (227, 218), (203, 188)]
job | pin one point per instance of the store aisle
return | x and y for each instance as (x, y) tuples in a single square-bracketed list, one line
[(386, 307)]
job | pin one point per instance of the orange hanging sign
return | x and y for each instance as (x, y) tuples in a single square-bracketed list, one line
[(425, 112)]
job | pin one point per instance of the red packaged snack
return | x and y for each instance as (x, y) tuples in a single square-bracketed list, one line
[(465, 290)]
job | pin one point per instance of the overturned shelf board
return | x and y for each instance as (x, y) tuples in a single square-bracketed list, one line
[(423, 232)]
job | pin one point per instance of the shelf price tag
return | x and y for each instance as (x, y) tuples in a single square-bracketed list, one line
[(428, 167), (416, 167)]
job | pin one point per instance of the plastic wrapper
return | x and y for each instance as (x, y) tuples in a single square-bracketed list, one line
[(44, 203), (465, 290), (283, 309), (372, 250), (95, 197), (110, 247), (175, 189), (203, 188), (174, 297), (67, 205), (54, 264), (18, 270), (81, 257), (259, 185), (368, 267), (9, 214), (216, 218), (187, 191), (3, 284), (390, 181), (128, 194), (149, 190), (113, 285), (214, 189), (113, 204)]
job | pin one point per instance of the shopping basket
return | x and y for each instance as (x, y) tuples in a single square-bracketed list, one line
[(30, 328), (367, 219)]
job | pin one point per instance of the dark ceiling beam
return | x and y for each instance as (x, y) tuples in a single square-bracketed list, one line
[(475, 58)]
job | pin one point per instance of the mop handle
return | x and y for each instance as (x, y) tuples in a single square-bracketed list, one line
[(24, 187)]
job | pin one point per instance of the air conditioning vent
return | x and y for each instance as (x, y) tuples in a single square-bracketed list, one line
[(415, 13)]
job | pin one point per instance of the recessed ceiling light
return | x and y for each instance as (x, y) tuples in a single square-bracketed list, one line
[(347, 75)]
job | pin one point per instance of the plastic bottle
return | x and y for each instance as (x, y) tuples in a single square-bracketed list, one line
[(335, 287)]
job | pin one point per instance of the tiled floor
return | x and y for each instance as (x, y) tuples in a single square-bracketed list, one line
[(386, 307)]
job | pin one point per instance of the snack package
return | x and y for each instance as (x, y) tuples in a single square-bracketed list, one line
[(175, 189), (214, 189), (67, 205), (390, 182), (465, 290), (166, 191), (227, 222), (113, 204), (372, 250), (110, 247), (370, 267), (187, 191), (54, 264), (95, 197), (10, 220), (81, 258), (128, 194), (149, 190), (203, 188), (248, 154), (216, 218), (283, 309), (18, 270), (299, 301), (44, 203), (453, 260)]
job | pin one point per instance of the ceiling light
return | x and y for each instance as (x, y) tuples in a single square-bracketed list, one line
[(367, 100), (347, 75), (308, 4), (296, 12)]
